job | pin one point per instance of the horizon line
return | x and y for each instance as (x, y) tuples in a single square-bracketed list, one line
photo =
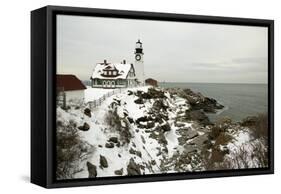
[(211, 82)]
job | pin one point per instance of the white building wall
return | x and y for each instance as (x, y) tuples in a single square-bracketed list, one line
[(74, 95)]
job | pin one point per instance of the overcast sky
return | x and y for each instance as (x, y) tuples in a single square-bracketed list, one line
[(173, 51)]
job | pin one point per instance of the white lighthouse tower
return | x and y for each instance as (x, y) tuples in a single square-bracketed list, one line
[(139, 62)]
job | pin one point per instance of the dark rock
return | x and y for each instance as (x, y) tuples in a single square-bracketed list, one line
[(165, 150), (133, 168), (150, 124), (85, 127), (141, 126), (191, 134), (159, 105), (139, 101), (249, 121), (87, 112), (201, 141), (113, 139), (154, 93), (130, 92), (146, 96), (143, 119), (134, 145), (109, 145), (209, 109), (131, 120), (198, 115), (138, 153), (207, 144), (92, 170), (103, 162), (143, 140), (100, 146), (132, 151), (159, 137), (164, 128), (119, 172)]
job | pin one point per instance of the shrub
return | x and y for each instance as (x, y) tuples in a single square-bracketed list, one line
[(69, 150), (260, 129), (215, 132), (223, 122), (112, 119), (223, 139), (120, 125)]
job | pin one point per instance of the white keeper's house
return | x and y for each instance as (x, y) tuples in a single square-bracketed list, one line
[(120, 75)]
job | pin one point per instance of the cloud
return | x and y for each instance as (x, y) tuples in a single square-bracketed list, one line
[(173, 51)]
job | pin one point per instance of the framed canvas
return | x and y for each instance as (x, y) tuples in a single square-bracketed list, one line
[(126, 96)]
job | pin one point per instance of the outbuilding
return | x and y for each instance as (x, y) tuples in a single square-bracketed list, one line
[(69, 87), (151, 82)]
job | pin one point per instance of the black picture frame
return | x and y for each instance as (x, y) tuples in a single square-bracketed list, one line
[(43, 94)]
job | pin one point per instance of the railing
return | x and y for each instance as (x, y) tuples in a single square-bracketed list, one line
[(96, 103)]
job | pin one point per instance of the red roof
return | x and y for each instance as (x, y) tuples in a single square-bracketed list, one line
[(69, 82)]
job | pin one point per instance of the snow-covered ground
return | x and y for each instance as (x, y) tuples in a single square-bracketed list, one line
[(95, 93), (170, 144)]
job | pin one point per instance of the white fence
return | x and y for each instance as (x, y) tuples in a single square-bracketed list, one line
[(95, 103)]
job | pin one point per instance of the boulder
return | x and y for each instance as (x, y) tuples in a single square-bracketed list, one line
[(154, 93), (165, 127), (119, 172), (143, 119), (139, 101), (201, 141), (103, 162), (113, 139), (150, 124), (135, 152), (133, 168), (87, 112), (191, 134), (109, 145), (198, 115), (130, 92), (249, 121), (92, 170), (131, 120), (159, 105), (84, 127)]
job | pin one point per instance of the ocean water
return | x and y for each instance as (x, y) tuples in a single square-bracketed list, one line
[(240, 100)]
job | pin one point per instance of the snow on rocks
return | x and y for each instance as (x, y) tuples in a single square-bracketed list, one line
[(145, 130)]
